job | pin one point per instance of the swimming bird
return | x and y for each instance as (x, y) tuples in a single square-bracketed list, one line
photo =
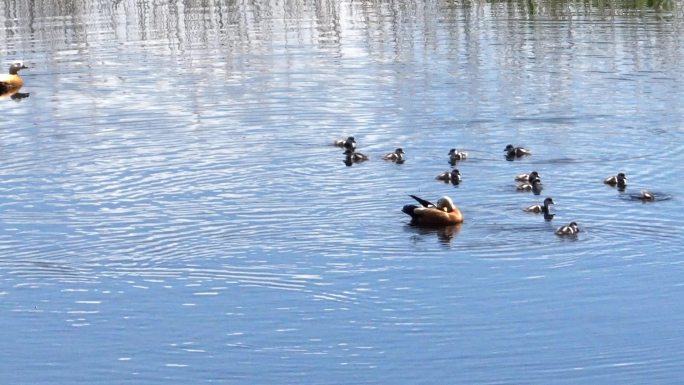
[(455, 155), (355, 157), (453, 176), (349, 143), (647, 196), (526, 177), (444, 213), (12, 81), (516, 152), (533, 185), (569, 229), (619, 180), (396, 156), (540, 208)]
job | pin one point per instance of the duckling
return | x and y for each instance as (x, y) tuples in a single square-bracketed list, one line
[(455, 155), (349, 143), (516, 152), (647, 196), (526, 177), (453, 176), (12, 81), (534, 185), (355, 157), (444, 213), (542, 208), (396, 156), (619, 180), (569, 229)]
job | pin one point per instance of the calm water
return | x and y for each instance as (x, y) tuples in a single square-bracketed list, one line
[(173, 212)]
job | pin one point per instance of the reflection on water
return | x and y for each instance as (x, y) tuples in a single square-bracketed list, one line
[(170, 187), (14, 95)]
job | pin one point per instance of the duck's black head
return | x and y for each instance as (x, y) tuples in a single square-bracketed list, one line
[(350, 143), (452, 151), (399, 150), (548, 201), (14, 68), (508, 148), (455, 176)]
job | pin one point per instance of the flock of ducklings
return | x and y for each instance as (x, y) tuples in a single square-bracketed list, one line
[(445, 213)]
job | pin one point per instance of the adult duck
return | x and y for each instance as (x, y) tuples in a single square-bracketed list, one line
[(540, 208), (453, 176), (396, 156), (569, 229), (455, 155), (12, 81), (619, 180), (516, 152), (444, 213)]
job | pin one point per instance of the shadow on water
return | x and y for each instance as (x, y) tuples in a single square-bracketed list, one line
[(14, 95), (646, 196)]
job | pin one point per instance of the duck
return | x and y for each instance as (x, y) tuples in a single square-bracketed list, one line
[(455, 155), (349, 143), (444, 213), (453, 176), (619, 180), (569, 229), (355, 156), (532, 185), (647, 196), (396, 156), (12, 81), (526, 177), (540, 208), (516, 152)]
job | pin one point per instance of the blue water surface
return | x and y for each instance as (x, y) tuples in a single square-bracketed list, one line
[(173, 210)]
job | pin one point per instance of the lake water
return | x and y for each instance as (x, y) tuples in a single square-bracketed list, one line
[(173, 210)]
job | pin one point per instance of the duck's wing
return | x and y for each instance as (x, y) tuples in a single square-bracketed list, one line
[(422, 201)]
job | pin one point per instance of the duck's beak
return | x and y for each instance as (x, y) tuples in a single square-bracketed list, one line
[(23, 66)]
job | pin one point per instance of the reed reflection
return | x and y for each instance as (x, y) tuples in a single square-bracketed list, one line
[(245, 26)]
